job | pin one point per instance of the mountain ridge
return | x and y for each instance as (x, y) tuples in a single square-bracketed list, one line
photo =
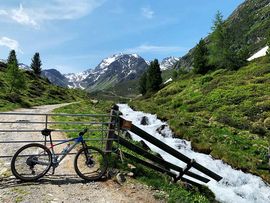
[(118, 68), (248, 26)]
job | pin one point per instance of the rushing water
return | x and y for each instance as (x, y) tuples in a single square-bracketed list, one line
[(235, 186)]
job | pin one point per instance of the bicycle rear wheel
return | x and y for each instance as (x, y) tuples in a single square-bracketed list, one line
[(90, 163), (31, 162)]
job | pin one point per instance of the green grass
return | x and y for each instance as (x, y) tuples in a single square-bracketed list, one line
[(222, 113), (38, 92), (176, 192)]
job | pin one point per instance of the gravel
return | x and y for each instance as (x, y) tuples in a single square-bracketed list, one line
[(64, 185)]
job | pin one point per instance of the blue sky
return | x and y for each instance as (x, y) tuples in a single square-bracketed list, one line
[(74, 35)]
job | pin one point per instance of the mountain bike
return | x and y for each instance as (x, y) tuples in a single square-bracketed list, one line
[(34, 160)]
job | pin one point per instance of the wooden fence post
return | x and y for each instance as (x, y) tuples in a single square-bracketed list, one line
[(112, 125)]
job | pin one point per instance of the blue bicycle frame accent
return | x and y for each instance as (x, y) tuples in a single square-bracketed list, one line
[(79, 139)]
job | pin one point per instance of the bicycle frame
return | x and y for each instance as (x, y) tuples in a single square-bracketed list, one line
[(76, 140)]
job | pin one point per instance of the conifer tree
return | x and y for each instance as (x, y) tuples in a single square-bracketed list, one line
[(12, 58), (36, 64), (221, 53), (15, 76), (143, 83), (154, 76), (200, 60)]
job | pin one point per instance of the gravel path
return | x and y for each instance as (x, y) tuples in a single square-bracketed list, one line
[(64, 185)]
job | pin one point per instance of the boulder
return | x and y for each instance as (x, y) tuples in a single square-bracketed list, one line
[(144, 121)]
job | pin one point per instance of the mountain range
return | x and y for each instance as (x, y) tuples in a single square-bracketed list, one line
[(248, 26), (110, 72)]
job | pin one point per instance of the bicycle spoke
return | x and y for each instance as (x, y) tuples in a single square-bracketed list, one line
[(92, 166), (31, 162)]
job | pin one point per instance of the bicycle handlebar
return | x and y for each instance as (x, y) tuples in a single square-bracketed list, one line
[(83, 132)]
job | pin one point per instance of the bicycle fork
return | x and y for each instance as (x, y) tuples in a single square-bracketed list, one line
[(88, 156)]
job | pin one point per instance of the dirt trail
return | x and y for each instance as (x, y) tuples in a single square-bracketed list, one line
[(64, 185)]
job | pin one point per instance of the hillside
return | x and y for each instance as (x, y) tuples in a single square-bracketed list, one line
[(248, 26), (224, 113), (39, 91)]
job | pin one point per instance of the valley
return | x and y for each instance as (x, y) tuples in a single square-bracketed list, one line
[(211, 103)]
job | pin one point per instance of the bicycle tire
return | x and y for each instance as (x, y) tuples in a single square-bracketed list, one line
[(34, 160), (96, 161)]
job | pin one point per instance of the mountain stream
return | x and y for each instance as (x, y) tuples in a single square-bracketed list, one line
[(236, 186)]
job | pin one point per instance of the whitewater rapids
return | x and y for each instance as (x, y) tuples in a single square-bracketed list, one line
[(236, 186)]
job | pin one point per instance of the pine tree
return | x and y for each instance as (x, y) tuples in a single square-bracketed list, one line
[(200, 58), (221, 53), (15, 76), (12, 58), (143, 83), (36, 64), (217, 45), (242, 56), (154, 76)]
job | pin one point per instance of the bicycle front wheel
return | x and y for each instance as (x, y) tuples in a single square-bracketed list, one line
[(90, 163), (31, 162)]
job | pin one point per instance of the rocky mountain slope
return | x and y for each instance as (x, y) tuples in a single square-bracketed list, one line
[(74, 79), (248, 26), (168, 63), (111, 71), (55, 77), (118, 73), (114, 70)]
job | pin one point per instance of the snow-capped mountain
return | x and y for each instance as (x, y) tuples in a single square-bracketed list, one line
[(74, 79), (168, 63), (110, 71), (24, 66), (115, 69)]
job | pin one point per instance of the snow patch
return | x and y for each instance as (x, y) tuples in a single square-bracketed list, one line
[(167, 81), (106, 62), (259, 54), (81, 87), (135, 55)]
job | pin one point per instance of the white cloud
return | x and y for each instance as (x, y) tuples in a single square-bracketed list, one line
[(21, 16), (66, 9), (147, 12), (10, 43), (155, 49), (34, 14)]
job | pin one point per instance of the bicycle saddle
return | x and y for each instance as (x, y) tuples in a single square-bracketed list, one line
[(46, 132)]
